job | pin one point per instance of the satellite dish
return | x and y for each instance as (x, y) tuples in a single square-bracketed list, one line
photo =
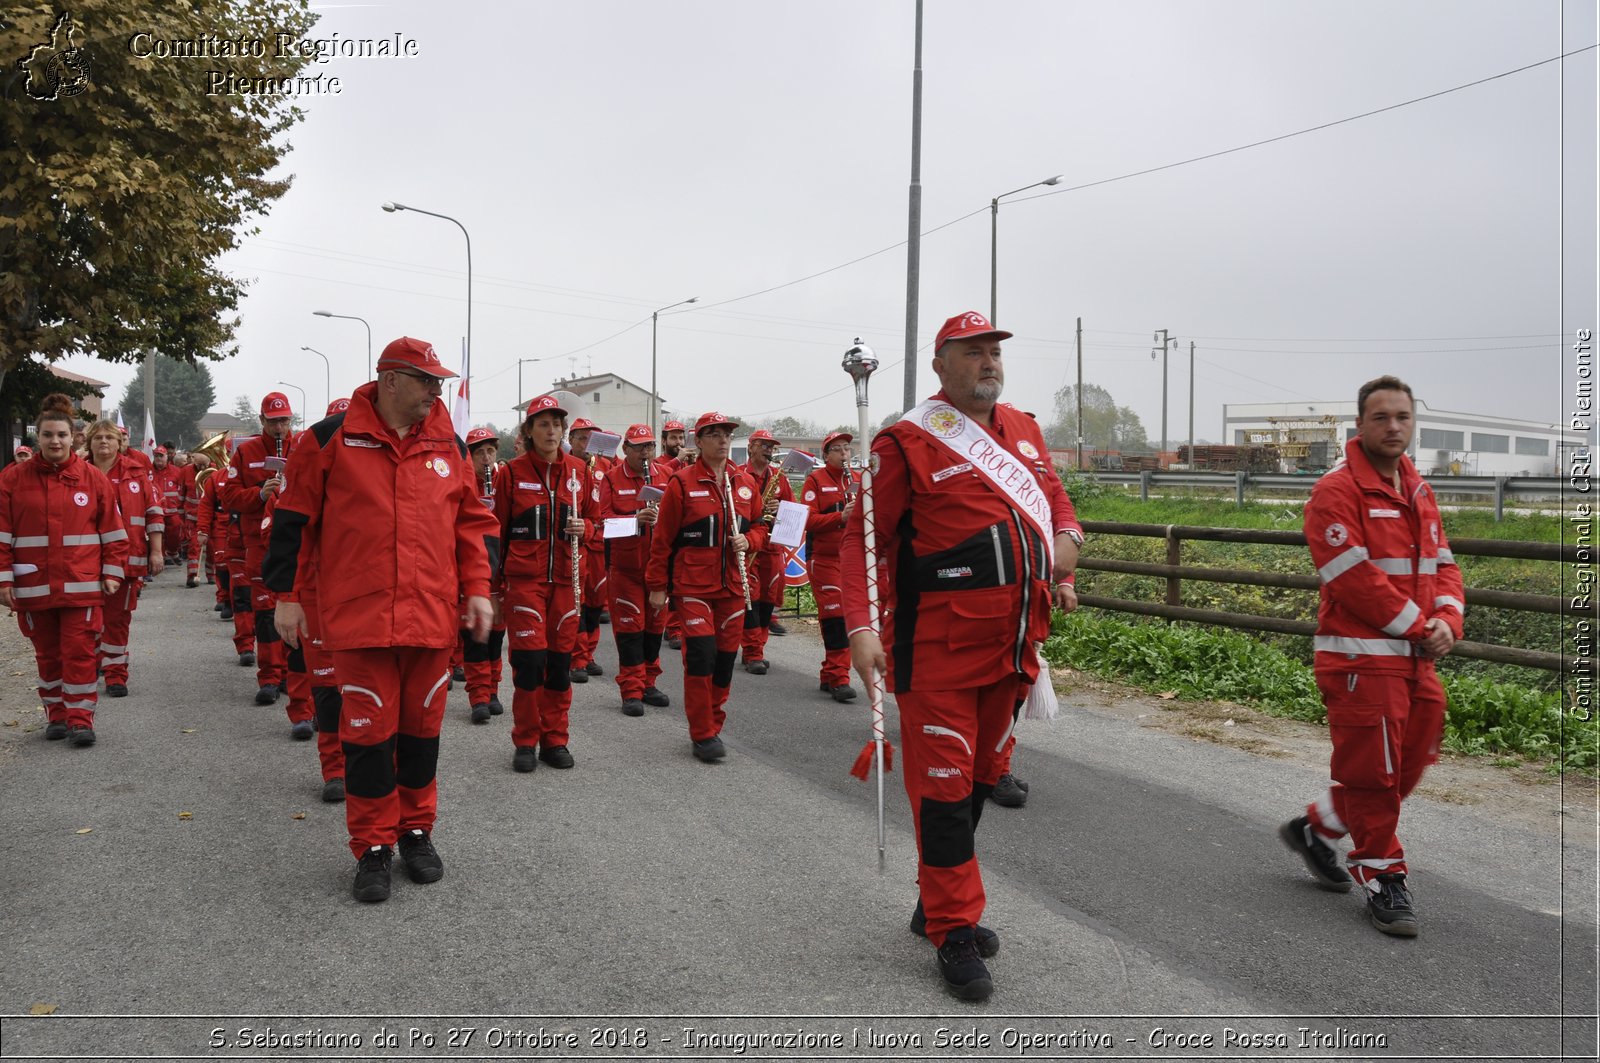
[(574, 405)]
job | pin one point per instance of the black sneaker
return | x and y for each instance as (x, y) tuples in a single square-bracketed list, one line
[(673, 641), (193, 582), (578, 675), (372, 874), (267, 695), (495, 708), (481, 713), (333, 790), (55, 732), (775, 628), (227, 613), (594, 668), (710, 749), (656, 697), (81, 736), (458, 675), (987, 940), (422, 859), (1008, 792), (216, 608), (525, 759), (1390, 907), (756, 667), (1020, 784), (116, 690), (556, 756), (632, 707), (605, 616), (963, 969), (842, 692), (247, 659), (1321, 859), (302, 730)]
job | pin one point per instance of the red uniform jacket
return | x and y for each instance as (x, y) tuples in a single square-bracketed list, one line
[(191, 494), (967, 587), (1385, 565), (690, 551), (60, 534), (169, 485), (619, 497), (771, 477), (240, 487), (141, 510), (394, 522), (825, 493), (532, 503)]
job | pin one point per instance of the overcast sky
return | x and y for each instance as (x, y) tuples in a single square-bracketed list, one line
[(609, 158)]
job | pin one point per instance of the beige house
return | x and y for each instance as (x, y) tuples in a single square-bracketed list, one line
[(92, 402), (609, 400)]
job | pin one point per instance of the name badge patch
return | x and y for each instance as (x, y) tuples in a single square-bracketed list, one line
[(945, 474), (699, 494), (1395, 513), (369, 444)]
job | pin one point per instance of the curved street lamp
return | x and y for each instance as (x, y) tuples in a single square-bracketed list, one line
[(352, 317), (994, 235), (393, 207), (327, 368), (655, 400)]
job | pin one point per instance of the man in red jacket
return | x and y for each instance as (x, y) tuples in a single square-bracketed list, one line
[(635, 623), (975, 540), (766, 566), (482, 661), (829, 492), (669, 461), (1392, 604), (383, 496), (594, 560), (709, 522)]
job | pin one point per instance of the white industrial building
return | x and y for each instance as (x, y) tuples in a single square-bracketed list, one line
[(609, 400), (1464, 444)]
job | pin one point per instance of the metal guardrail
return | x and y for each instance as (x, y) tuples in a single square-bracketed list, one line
[(1496, 487)]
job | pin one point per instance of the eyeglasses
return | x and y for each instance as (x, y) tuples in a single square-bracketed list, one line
[(432, 383)]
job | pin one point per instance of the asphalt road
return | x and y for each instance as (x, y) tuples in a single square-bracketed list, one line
[(1142, 895)]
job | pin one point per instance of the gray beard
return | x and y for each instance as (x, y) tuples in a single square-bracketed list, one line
[(987, 390)]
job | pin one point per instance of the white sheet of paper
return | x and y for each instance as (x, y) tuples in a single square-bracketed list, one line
[(790, 527), (604, 444), (621, 527), (650, 493)]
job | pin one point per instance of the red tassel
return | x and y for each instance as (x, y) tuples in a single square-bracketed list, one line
[(863, 765), (888, 756)]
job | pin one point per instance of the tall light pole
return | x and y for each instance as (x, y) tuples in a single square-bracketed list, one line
[(914, 225), (1166, 341), (303, 416), (392, 207), (352, 317), (528, 361), (994, 236), (327, 368), (655, 400)]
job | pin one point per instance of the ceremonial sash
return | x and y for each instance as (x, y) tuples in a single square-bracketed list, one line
[(1000, 469)]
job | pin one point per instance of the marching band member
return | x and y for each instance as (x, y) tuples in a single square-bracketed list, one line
[(190, 549), (544, 505), (668, 462), (829, 492), (142, 517), (976, 540), (594, 564), (169, 485), (635, 623), (482, 660), (63, 550), (766, 566), (710, 521)]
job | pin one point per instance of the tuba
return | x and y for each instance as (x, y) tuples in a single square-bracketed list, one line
[(216, 451)]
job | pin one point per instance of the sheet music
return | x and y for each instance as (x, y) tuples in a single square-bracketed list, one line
[(621, 527), (789, 529)]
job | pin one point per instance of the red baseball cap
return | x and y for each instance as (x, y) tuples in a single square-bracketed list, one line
[(965, 327), (638, 433), (337, 406), (160, 450), (24, 452), (481, 435), (835, 437), (674, 426), (582, 422), (763, 435), (712, 419), (541, 405), (275, 404), (407, 353)]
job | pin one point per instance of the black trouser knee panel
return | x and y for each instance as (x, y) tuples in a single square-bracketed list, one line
[(477, 652), (369, 770), (266, 629), (652, 646), (722, 671), (328, 701), (630, 649), (527, 669), (296, 660), (557, 669), (833, 634), (946, 832), (590, 618), (241, 598), (700, 655), (416, 760)]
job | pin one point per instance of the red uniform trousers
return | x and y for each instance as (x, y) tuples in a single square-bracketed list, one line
[(825, 581), (297, 682), (481, 661), (637, 629), (244, 617), (1385, 729), (324, 688), (766, 591), (272, 656), (951, 743), (191, 531), (712, 628), (116, 618), (393, 705), (542, 624), (595, 592), (64, 650)]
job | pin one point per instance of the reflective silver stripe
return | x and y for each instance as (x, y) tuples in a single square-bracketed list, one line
[(7, 538), (48, 684), (1342, 564), (114, 660), (1450, 599), (362, 690), (113, 570), (34, 540), (77, 688), (36, 592), (1447, 557), (115, 535), (6, 576), (51, 699), (935, 729), (1402, 622), (1395, 566), (156, 527), (137, 522), (80, 588), (442, 681), (1370, 647), (113, 649), (1428, 566), (78, 704), (86, 540), (138, 561)]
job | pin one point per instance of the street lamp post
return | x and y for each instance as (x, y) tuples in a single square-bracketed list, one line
[(994, 236), (655, 400), (302, 392), (392, 207), (352, 317), (528, 361), (327, 369)]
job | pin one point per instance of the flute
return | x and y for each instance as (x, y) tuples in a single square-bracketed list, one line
[(577, 577), (733, 529)]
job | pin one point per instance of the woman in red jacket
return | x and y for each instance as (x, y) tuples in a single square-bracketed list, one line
[(544, 501), (142, 517), (62, 550)]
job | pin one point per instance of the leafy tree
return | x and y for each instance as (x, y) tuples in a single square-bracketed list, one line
[(245, 409), (118, 193), (184, 394), (1106, 426), (891, 419), (787, 427)]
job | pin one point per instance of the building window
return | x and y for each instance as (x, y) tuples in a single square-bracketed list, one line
[(597, 398), (619, 385), (1489, 443), (1439, 439), (1539, 448)]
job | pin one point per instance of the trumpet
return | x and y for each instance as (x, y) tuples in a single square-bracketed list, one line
[(733, 529), (577, 576), (488, 486)]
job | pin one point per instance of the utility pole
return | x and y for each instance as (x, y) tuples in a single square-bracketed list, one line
[(1191, 405), (914, 235), (1166, 341), (1078, 459)]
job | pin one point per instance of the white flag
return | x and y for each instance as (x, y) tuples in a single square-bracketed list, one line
[(461, 410), (119, 420), (149, 447)]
